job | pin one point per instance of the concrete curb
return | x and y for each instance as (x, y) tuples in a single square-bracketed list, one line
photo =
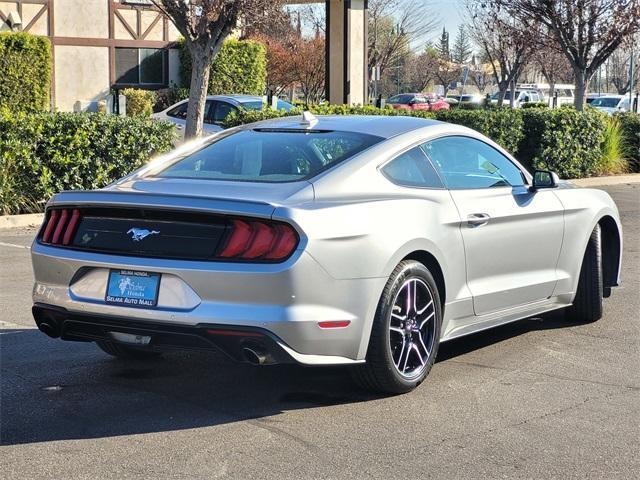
[(21, 221), (35, 219), (603, 181)]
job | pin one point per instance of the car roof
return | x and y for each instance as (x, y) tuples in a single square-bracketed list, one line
[(378, 125), (236, 98)]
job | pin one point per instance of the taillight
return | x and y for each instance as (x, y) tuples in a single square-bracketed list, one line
[(61, 226), (259, 240)]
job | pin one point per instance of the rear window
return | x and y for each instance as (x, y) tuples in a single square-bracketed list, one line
[(265, 155)]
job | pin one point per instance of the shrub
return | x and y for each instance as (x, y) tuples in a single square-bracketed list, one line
[(240, 67), (564, 140), (630, 125), (45, 153), (139, 102), (502, 125), (535, 105), (613, 151), (166, 97), (25, 72)]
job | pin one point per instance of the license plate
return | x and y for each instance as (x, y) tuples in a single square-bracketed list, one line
[(133, 289)]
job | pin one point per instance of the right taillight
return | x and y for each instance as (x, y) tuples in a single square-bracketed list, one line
[(259, 240)]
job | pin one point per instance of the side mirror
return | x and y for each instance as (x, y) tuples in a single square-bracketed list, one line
[(544, 179)]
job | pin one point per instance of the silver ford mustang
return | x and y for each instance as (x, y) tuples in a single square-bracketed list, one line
[(361, 241)]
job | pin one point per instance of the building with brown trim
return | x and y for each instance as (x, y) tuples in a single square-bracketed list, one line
[(98, 46), (103, 45)]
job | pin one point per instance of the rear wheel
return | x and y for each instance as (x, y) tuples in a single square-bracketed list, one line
[(587, 305), (406, 332), (125, 352)]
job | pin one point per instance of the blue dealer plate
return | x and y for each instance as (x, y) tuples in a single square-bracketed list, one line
[(133, 289)]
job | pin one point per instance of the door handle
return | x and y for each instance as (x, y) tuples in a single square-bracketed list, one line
[(478, 219)]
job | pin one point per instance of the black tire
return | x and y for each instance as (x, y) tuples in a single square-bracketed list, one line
[(587, 305), (125, 352), (380, 373)]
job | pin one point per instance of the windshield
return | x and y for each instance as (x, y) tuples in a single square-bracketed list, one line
[(605, 102), (268, 155), (400, 99)]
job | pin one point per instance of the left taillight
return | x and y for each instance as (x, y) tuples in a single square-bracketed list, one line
[(61, 226)]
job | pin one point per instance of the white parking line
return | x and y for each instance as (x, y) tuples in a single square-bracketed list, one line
[(2, 244)]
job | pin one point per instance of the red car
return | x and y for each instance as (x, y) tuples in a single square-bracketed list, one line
[(418, 101)]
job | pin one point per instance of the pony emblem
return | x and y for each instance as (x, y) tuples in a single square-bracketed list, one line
[(138, 234)]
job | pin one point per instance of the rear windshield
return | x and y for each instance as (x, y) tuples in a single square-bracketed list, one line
[(265, 155)]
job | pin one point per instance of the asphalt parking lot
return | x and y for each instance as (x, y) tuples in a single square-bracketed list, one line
[(540, 398)]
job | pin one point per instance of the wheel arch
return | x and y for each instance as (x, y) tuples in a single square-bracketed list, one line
[(430, 261), (611, 252)]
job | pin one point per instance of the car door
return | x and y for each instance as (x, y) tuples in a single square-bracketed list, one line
[(219, 111), (512, 235)]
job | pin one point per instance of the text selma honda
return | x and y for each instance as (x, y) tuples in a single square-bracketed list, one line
[(361, 241)]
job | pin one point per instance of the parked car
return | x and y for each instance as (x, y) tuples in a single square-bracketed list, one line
[(216, 110), (520, 97), (342, 240), (612, 103), (418, 101), (466, 98)]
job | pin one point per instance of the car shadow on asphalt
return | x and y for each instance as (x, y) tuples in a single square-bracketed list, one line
[(54, 390)]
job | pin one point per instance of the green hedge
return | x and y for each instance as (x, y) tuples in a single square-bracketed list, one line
[(240, 67), (570, 142), (25, 72), (630, 124), (45, 153)]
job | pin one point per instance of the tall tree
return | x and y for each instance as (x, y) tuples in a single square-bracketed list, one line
[(393, 25), (443, 45), (505, 43), (462, 48), (205, 24), (588, 31), (619, 66), (549, 60)]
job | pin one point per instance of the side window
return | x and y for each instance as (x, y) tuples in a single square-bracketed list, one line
[(180, 111), (222, 110), (208, 111), (466, 163), (412, 169)]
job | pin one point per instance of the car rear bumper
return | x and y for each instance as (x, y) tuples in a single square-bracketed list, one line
[(287, 300)]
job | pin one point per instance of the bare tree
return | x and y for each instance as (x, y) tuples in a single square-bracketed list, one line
[(552, 64), (588, 31), (392, 25), (422, 69), (447, 72), (205, 24), (307, 65), (506, 44), (619, 66)]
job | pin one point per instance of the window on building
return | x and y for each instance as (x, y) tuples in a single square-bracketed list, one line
[(141, 66)]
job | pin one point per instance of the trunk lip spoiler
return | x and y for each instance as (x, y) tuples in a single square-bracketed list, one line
[(163, 201)]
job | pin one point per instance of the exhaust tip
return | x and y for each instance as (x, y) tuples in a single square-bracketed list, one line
[(49, 328), (254, 356)]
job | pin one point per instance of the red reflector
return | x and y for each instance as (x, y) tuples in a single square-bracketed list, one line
[(234, 333), (51, 224), (261, 241), (239, 239), (71, 228), (334, 324), (57, 234)]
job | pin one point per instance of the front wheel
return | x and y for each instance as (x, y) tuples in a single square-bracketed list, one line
[(406, 332), (587, 304)]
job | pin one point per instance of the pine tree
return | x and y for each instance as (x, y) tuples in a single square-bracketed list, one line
[(443, 48), (462, 49)]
